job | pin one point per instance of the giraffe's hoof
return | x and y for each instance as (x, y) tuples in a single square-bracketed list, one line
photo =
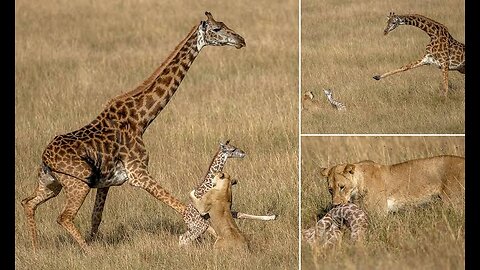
[(376, 77)]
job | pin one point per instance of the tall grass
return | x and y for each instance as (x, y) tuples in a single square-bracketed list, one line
[(343, 47), (73, 56), (430, 237)]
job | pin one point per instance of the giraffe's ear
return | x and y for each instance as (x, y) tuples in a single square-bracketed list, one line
[(203, 25), (209, 16)]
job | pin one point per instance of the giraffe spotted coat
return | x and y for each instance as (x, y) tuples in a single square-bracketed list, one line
[(327, 231)]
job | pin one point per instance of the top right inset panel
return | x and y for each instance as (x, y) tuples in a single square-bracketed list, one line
[(383, 67)]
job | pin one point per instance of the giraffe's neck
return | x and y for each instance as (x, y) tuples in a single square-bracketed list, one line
[(336, 217), (144, 103), (217, 165), (429, 26), (352, 216), (336, 104), (328, 228)]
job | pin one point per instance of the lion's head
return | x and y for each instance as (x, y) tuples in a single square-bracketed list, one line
[(342, 183)]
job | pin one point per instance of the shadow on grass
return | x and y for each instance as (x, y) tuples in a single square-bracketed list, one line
[(123, 233)]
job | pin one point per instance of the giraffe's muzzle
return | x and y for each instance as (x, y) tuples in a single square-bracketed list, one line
[(239, 43)]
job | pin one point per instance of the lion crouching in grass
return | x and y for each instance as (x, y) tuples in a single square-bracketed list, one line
[(388, 188), (217, 203)]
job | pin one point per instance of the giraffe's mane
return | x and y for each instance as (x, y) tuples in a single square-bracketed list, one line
[(213, 159), (158, 71), (426, 19)]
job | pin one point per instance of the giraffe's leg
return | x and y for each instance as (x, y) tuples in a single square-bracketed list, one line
[(76, 192), (240, 215), (143, 180), (41, 194), (412, 65), (445, 78), (100, 199), (196, 224)]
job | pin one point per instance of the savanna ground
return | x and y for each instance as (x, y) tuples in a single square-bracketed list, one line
[(427, 237), (343, 47), (71, 57)]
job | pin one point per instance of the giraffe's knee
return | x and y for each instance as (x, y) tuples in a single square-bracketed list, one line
[(63, 219), (28, 206), (25, 201)]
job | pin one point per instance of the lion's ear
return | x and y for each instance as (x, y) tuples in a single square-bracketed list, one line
[(324, 171), (350, 168)]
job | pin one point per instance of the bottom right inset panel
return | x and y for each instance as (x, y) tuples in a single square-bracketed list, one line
[(383, 202)]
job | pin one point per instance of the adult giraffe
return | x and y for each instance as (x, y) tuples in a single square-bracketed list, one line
[(110, 151), (443, 50)]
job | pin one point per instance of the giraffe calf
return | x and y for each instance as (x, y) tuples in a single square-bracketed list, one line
[(327, 231), (217, 203)]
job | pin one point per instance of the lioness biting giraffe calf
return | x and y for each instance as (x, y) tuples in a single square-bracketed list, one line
[(388, 188), (217, 203)]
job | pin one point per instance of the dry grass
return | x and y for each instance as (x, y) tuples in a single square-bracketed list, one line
[(343, 47), (73, 56), (431, 237)]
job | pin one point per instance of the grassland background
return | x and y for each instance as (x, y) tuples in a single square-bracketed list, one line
[(71, 57), (430, 237), (343, 47)]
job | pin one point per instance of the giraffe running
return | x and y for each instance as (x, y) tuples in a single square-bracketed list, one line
[(442, 51), (327, 231), (110, 151), (335, 103), (218, 163)]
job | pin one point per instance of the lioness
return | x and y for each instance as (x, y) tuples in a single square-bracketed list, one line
[(217, 203), (386, 188)]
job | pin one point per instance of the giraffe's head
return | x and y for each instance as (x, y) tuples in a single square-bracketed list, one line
[(327, 92), (231, 151), (393, 21), (218, 34)]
